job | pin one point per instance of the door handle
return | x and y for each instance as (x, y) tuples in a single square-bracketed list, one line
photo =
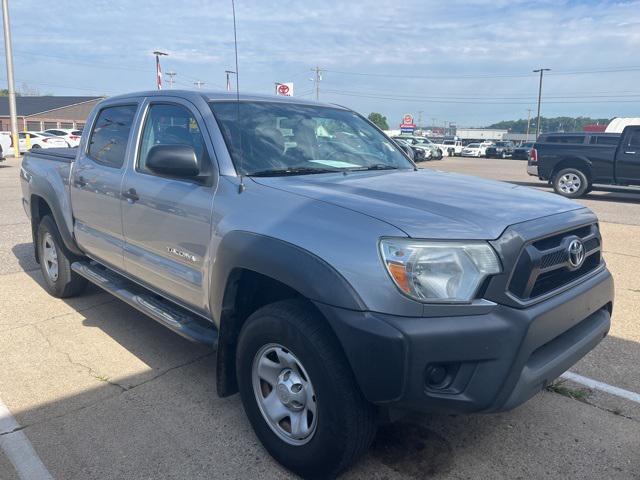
[(131, 195), (80, 181), (630, 153)]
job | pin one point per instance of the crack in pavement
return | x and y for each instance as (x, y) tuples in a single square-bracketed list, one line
[(59, 315), (123, 390)]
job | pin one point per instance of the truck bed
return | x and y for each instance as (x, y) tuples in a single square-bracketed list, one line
[(66, 155)]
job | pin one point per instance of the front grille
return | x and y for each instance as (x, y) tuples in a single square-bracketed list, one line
[(544, 264)]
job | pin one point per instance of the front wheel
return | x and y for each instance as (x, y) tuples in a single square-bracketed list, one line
[(571, 183), (299, 392)]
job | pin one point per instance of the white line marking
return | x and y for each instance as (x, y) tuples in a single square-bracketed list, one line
[(603, 387), (19, 450)]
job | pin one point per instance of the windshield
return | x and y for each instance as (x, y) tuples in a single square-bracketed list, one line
[(277, 138), (448, 142), (502, 144), (473, 145)]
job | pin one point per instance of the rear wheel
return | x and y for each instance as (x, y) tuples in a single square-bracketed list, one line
[(55, 262), (571, 182), (299, 392)]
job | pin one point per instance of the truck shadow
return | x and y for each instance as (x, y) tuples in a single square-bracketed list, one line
[(124, 420)]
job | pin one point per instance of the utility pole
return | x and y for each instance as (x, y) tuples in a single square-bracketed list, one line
[(318, 79), (198, 84), (171, 75), (11, 86), (541, 71), (420, 118), (159, 54), (229, 72), (528, 122)]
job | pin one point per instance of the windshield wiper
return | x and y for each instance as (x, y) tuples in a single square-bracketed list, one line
[(292, 171), (377, 166)]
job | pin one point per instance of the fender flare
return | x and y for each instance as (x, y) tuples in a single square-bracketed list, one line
[(289, 264)]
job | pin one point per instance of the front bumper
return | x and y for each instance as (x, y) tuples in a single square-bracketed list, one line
[(494, 361)]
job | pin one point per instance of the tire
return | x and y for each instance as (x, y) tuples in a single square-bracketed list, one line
[(571, 182), (55, 262), (344, 421)]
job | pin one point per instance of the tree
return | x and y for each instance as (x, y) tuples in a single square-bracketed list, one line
[(379, 120)]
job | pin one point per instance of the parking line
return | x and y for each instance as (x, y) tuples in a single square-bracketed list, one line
[(18, 449), (603, 387)]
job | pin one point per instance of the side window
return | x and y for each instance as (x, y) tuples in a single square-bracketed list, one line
[(110, 134), (170, 124), (634, 140)]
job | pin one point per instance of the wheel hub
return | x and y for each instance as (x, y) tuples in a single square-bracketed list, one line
[(50, 256), (290, 390)]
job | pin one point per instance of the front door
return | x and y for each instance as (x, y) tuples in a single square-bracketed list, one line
[(96, 183), (167, 223), (628, 158)]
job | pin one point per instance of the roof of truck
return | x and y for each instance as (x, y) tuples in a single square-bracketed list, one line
[(213, 95)]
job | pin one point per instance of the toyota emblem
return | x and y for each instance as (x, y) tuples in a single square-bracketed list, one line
[(576, 253)]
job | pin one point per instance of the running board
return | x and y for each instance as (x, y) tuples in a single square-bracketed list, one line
[(181, 321)]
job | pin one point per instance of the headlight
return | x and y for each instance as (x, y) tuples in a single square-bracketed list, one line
[(434, 271)]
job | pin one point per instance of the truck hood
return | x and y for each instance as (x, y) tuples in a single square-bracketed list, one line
[(428, 203)]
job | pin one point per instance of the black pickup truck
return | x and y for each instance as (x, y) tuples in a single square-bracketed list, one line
[(574, 162)]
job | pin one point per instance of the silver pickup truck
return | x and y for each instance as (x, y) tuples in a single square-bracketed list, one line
[(339, 283)]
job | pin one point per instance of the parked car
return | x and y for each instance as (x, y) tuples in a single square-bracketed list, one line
[(483, 147), (522, 152), (337, 285), (472, 150), (70, 135), (39, 140), (574, 162), (451, 148), (5, 145), (418, 154), (433, 152), (500, 150)]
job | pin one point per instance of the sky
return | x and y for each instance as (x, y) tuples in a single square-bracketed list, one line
[(465, 62)]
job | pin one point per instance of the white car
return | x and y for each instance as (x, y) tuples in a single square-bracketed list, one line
[(472, 150), (39, 140), (483, 148), (5, 144), (70, 135), (450, 148)]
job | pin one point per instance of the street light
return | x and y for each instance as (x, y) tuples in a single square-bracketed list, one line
[(541, 71), (11, 87)]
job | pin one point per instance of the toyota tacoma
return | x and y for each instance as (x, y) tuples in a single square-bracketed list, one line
[(338, 283)]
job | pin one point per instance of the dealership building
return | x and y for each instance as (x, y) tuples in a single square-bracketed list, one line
[(37, 113)]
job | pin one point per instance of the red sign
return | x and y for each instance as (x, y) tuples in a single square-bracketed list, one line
[(408, 125), (407, 119), (283, 89)]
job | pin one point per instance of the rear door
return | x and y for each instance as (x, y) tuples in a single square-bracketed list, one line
[(628, 157), (96, 183), (167, 223)]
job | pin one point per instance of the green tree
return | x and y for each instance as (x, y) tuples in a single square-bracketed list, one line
[(379, 120)]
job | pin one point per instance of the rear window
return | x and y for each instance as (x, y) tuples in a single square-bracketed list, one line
[(110, 134), (565, 139), (602, 140)]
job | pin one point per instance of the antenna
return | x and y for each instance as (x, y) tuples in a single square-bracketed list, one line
[(241, 188)]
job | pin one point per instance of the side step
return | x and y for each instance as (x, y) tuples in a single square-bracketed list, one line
[(181, 321)]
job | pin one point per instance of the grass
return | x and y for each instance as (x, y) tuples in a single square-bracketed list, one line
[(559, 386)]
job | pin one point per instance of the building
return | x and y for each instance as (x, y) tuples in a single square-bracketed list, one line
[(480, 134), (37, 113)]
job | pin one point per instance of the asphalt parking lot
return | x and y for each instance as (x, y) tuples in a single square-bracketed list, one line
[(101, 392)]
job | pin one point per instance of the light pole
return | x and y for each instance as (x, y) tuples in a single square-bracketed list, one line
[(229, 72), (528, 122), (541, 71), (158, 54), (171, 75), (11, 86)]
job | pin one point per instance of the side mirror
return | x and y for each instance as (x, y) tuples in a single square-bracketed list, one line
[(173, 160)]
